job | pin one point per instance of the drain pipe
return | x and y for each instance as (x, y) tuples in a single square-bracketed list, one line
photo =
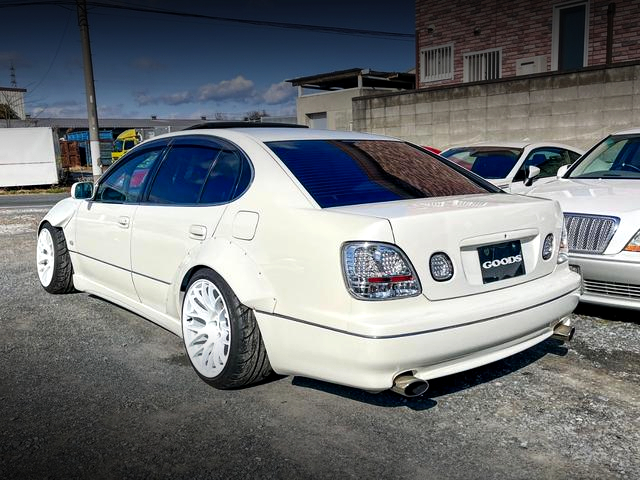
[(611, 12)]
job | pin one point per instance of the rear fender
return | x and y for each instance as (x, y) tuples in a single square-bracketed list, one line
[(232, 263)]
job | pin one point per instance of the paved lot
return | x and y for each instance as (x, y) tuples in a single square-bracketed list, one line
[(89, 390)]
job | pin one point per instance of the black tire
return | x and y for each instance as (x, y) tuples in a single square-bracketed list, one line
[(62, 277), (247, 360)]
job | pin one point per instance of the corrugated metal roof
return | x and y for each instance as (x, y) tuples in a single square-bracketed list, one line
[(106, 123), (341, 79)]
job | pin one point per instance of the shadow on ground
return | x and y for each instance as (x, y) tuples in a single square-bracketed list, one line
[(608, 313)]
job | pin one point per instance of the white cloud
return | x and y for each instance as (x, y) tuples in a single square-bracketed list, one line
[(279, 93), (237, 87)]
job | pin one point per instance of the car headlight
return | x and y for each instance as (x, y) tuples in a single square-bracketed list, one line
[(634, 244), (378, 271), (563, 251)]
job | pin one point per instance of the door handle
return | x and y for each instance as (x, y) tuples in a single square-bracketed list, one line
[(198, 232), (123, 222)]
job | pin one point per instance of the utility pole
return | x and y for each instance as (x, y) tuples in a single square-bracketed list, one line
[(92, 111)]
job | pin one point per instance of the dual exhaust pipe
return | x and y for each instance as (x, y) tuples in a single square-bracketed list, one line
[(407, 385)]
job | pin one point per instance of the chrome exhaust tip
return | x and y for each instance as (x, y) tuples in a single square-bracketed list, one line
[(563, 332), (409, 386)]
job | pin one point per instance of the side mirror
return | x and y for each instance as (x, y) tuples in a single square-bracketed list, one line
[(82, 190), (562, 171), (532, 172)]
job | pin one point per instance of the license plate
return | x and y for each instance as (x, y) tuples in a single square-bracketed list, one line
[(501, 261)]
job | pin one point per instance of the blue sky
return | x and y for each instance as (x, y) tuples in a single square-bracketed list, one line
[(174, 67)]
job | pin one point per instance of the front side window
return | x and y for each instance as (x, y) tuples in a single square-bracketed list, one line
[(351, 172), (126, 182), (488, 162), (614, 157), (548, 160)]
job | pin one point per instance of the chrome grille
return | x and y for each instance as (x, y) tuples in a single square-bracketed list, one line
[(589, 233), (623, 290)]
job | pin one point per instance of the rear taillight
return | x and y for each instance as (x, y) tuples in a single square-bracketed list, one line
[(378, 271), (563, 251)]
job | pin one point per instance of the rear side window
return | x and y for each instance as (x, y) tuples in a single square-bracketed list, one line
[(225, 178), (182, 175), (351, 172)]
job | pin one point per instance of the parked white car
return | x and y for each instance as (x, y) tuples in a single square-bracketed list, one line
[(514, 166), (351, 258), (600, 195)]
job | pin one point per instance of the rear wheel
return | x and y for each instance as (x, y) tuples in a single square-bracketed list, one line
[(53, 261), (221, 336)]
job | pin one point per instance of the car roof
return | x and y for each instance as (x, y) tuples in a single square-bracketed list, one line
[(279, 134), (631, 131), (518, 145)]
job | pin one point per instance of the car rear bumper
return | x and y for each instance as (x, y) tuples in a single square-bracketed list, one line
[(481, 329), (610, 280)]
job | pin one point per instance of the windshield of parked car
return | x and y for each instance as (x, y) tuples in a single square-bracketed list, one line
[(351, 172), (488, 162), (615, 157)]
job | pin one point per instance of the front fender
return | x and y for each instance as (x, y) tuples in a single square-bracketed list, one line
[(238, 269), (61, 213)]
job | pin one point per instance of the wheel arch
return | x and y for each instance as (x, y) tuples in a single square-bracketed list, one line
[(60, 213), (236, 267)]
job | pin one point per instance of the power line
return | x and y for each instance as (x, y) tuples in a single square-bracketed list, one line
[(241, 21), (55, 56)]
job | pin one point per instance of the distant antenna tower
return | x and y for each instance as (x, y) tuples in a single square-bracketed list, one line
[(12, 69)]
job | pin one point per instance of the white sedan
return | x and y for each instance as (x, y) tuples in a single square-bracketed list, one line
[(351, 258), (514, 166), (600, 196)]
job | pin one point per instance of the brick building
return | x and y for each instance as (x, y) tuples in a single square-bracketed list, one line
[(462, 41)]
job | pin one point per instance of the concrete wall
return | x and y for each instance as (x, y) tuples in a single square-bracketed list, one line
[(336, 104), (522, 28), (575, 108)]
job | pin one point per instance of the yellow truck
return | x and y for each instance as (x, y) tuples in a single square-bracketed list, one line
[(125, 142)]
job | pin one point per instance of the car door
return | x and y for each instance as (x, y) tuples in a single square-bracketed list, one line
[(548, 160), (103, 223), (187, 198)]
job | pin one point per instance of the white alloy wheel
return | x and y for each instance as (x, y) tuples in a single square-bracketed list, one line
[(45, 257), (206, 328)]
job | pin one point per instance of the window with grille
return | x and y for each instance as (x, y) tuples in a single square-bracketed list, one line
[(485, 65), (437, 63)]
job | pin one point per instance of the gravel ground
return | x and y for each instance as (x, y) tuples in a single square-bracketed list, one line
[(89, 390)]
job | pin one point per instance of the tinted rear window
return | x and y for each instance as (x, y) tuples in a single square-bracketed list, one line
[(488, 162), (341, 172)]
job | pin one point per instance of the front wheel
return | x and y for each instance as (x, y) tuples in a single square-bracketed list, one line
[(221, 336), (53, 262)]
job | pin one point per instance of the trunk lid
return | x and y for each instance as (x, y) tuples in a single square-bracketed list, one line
[(468, 228)]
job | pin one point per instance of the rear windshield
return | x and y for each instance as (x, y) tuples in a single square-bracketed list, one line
[(352, 172), (488, 162)]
